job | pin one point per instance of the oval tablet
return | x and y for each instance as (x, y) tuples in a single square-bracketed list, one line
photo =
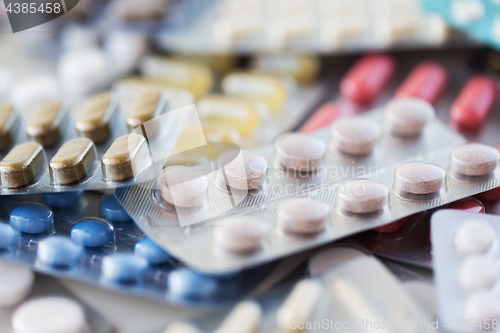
[(22, 164), (113, 210), (62, 199), (124, 156), (408, 116), (478, 272), (246, 171), (124, 267), (93, 122), (72, 161), (7, 119), (300, 152), (49, 314), (362, 196), (93, 232), (15, 283), (59, 251), (355, 135), (420, 178), (303, 216), (184, 283), (482, 306), (474, 159), (31, 218), (244, 318), (44, 124), (8, 236), (240, 234), (474, 236), (183, 186), (145, 108), (153, 253)]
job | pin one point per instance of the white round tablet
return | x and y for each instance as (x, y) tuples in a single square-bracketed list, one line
[(15, 283), (246, 171), (408, 116), (49, 315), (482, 305), (478, 272), (474, 236), (362, 196), (300, 152), (303, 216), (474, 159), (355, 135), (240, 234), (183, 186), (419, 178)]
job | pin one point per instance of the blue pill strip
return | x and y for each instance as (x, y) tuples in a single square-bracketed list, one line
[(124, 267), (152, 252), (113, 210), (8, 236), (31, 218), (59, 251), (92, 232)]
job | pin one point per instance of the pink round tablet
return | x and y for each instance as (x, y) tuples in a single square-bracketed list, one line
[(300, 152), (408, 116), (247, 171), (303, 216), (183, 186), (474, 159), (355, 135), (362, 196), (420, 178), (240, 234)]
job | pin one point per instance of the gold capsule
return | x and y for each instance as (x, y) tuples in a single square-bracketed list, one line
[(302, 67), (45, 123), (144, 108), (7, 120), (93, 123), (123, 157), (72, 161), (22, 164)]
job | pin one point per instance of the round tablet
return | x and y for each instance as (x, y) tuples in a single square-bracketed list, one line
[(124, 267), (362, 196), (474, 236), (240, 234), (478, 272), (92, 232), (246, 171), (355, 135), (152, 252), (420, 178), (482, 305), (183, 186), (408, 116), (8, 236), (15, 283), (300, 152), (474, 159), (49, 314), (113, 210), (183, 283), (59, 251), (63, 199), (31, 218), (303, 216)]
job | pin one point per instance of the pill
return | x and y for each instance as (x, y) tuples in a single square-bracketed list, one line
[(92, 232), (181, 327), (31, 218), (182, 73), (426, 81), (267, 88), (62, 199), (482, 306), (145, 108), (366, 79), (8, 236), (244, 318), (473, 104), (93, 122), (478, 272), (237, 113), (184, 283), (124, 267), (245, 171), (15, 283), (420, 178), (49, 314), (407, 117), (355, 135), (72, 161), (302, 216), (239, 234), (300, 304), (362, 196), (183, 186), (467, 205), (474, 159), (302, 67), (113, 210), (44, 126), (300, 152), (59, 251), (474, 236), (153, 253), (467, 11), (124, 156), (325, 116), (22, 165), (7, 120)]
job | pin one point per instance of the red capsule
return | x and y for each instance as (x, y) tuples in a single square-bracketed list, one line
[(366, 79), (325, 116), (391, 227), (471, 107), (427, 81)]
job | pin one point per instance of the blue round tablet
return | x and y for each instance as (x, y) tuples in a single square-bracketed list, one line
[(124, 267), (152, 252), (31, 218), (183, 283), (8, 236), (59, 251), (113, 210), (92, 232), (62, 199)]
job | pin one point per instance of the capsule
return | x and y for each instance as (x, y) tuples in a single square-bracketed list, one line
[(325, 116), (22, 164), (144, 109), (473, 104), (94, 120), (427, 81), (123, 156), (7, 120), (72, 161), (302, 67), (366, 79), (244, 318), (45, 123)]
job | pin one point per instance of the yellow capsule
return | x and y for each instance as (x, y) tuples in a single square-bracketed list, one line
[(72, 161), (181, 73), (145, 108), (138, 82), (194, 136), (302, 67), (93, 123), (219, 63), (7, 119), (229, 112), (45, 123), (124, 156), (268, 88), (22, 164)]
